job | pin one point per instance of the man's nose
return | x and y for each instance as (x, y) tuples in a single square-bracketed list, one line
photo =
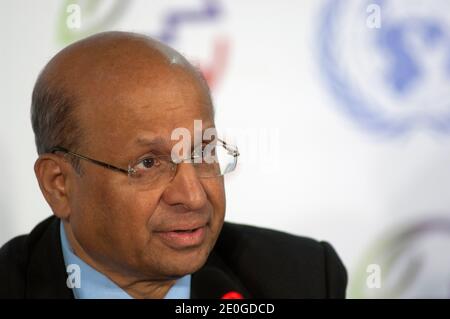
[(185, 189)]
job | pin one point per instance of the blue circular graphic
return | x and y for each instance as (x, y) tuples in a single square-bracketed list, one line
[(392, 78)]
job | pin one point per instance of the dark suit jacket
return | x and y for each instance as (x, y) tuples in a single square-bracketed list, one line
[(256, 262)]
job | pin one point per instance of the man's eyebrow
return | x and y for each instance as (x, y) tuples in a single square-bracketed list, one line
[(150, 140)]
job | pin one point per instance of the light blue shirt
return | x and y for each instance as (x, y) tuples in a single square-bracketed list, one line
[(95, 285)]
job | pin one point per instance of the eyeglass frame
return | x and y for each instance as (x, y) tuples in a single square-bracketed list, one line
[(231, 149)]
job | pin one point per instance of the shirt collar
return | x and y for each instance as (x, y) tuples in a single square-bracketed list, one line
[(95, 285)]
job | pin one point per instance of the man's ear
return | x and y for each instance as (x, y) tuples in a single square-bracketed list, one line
[(52, 174)]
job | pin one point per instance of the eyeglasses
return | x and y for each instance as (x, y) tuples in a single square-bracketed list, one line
[(215, 159)]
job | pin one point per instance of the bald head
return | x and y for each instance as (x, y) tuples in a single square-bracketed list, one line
[(102, 69)]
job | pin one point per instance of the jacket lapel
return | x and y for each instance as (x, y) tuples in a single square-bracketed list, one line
[(46, 275)]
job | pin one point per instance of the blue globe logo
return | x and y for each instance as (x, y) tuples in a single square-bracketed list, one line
[(393, 78)]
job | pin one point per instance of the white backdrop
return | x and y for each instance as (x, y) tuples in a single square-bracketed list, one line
[(341, 126)]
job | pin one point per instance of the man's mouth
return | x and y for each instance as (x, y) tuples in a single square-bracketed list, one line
[(183, 238), (185, 231)]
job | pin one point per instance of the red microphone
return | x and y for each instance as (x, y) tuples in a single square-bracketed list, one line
[(213, 283), (232, 295)]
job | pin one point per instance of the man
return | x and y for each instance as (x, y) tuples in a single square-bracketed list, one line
[(131, 219)]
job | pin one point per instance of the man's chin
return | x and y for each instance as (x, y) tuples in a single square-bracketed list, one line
[(181, 263)]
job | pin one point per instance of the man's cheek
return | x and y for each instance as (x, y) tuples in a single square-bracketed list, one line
[(215, 190), (139, 211)]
